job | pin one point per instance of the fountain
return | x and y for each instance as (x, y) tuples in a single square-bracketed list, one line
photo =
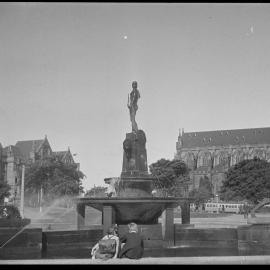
[(131, 199)]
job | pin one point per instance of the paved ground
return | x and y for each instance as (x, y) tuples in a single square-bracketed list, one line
[(167, 260)]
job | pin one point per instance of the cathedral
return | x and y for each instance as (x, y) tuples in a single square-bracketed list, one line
[(212, 153)]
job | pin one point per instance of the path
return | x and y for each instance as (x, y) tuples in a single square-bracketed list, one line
[(163, 260)]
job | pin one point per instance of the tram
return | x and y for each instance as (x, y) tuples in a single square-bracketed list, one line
[(226, 207)]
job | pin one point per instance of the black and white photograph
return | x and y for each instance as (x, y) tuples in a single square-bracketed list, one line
[(134, 133)]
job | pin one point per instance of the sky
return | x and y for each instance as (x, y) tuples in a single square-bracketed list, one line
[(67, 68)]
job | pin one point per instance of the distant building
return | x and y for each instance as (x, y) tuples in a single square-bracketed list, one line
[(25, 152), (64, 156), (212, 153), (34, 150)]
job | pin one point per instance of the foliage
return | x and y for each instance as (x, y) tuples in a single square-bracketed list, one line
[(4, 190), (96, 191), (203, 193), (55, 177), (200, 195), (171, 176), (205, 183), (9, 212), (247, 180)]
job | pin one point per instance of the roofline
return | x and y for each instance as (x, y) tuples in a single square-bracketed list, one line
[(218, 130)]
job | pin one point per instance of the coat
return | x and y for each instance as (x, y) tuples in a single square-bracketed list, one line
[(133, 248), (95, 250)]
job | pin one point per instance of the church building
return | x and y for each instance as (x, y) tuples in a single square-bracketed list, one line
[(212, 153)]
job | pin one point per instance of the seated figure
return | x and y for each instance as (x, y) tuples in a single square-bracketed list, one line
[(107, 247), (133, 243)]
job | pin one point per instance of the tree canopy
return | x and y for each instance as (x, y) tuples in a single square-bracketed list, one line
[(96, 191), (204, 192), (55, 177), (171, 176), (247, 180)]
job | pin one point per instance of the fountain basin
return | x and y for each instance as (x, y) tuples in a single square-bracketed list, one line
[(139, 210)]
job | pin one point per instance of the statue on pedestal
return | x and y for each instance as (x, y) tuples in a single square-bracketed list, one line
[(132, 105)]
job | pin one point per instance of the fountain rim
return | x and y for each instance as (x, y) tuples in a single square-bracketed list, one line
[(131, 199)]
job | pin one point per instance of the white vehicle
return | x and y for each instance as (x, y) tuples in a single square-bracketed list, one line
[(225, 207)]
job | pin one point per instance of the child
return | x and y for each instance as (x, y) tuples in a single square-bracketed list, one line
[(133, 247), (107, 247)]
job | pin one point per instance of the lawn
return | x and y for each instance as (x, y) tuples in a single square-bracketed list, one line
[(203, 215)]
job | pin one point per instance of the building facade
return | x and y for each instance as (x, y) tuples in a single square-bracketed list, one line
[(212, 153), (13, 157)]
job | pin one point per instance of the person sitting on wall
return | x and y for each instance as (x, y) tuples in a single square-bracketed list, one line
[(133, 246), (107, 247)]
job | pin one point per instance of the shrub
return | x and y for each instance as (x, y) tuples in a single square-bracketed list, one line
[(9, 212)]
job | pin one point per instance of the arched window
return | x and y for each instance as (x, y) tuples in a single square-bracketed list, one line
[(259, 154), (206, 159), (238, 157), (223, 159)]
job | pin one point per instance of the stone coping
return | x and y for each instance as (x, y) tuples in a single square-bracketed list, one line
[(130, 200)]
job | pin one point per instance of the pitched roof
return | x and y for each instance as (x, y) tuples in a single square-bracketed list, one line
[(15, 150), (226, 137), (62, 154), (26, 147)]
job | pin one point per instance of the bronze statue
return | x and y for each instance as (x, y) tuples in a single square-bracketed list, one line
[(132, 105)]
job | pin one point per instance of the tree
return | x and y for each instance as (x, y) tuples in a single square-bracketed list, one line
[(203, 193), (96, 191), (247, 180), (55, 178), (171, 176), (4, 191), (205, 184)]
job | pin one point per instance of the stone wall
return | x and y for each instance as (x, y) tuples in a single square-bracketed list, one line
[(26, 245), (254, 239), (70, 244), (208, 238)]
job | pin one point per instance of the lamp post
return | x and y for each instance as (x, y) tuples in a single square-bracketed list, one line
[(22, 192), (40, 199)]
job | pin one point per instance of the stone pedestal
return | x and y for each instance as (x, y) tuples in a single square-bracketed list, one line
[(168, 226), (134, 156), (185, 212), (80, 211)]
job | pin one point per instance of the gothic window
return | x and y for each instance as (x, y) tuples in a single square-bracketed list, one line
[(223, 160), (238, 158), (206, 160), (259, 154)]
